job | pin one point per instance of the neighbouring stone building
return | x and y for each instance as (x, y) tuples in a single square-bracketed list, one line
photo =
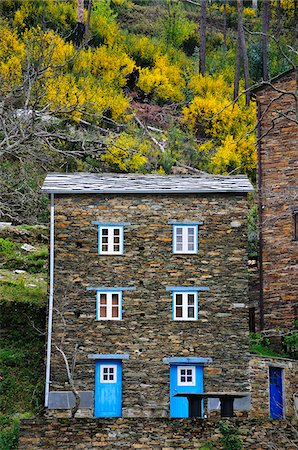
[(148, 290), (278, 201)]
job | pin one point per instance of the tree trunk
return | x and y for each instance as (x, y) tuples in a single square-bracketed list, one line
[(88, 23), (265, 29), (255, 4), (80, 27), (237, 71), (278, 15), (241, 38), (225, 23), (202, 63)]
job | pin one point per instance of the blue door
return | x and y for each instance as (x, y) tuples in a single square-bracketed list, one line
[(276, 393), (184, 378), (108, 389)]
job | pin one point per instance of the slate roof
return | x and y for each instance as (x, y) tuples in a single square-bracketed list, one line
[(111, 183)]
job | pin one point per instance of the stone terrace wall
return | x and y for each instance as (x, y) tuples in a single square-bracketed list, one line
[(259, 373), (153, 434), (147, 332), (278, 160)]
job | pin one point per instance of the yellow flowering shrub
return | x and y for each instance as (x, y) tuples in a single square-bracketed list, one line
[(142, 48), (229, 9), (249, 13), (126, 153), (288, 6), (108, 31), (207, 85), (74, 98), (111, 64), (12, 54), (164, 80), (64, 96), (47, 48), (235, 153), (228, 125)]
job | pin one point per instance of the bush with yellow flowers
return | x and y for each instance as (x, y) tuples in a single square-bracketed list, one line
[(12, 54), (164, 80), (230, 126), (126, 153)]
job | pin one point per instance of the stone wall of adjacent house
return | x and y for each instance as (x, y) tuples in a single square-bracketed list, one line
[(259, 373), (278, 162), (147, 332), (151, 434)]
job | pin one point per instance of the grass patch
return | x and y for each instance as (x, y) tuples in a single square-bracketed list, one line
[(14, 257), (24, 287)]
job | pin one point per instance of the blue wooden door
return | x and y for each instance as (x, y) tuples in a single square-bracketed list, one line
[(108, 389), (184, 378), (276, 393)]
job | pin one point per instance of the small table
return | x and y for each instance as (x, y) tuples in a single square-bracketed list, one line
[(226, 402)]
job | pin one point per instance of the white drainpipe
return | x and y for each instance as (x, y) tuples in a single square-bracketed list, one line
[(51, 301)]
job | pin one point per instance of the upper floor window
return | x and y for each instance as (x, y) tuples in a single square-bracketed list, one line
[(185, 237), (109, 305), (185, 305), (110, 240), (110, 237)]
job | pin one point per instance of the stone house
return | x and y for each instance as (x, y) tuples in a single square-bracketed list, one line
[(147, 292), (278, 201)]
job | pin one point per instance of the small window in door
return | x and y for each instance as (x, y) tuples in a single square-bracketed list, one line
[(108, 373), (186, 376)]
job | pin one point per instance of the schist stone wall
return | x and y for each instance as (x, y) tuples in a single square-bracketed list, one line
[(152, 434), (278, 178), (147, 332)]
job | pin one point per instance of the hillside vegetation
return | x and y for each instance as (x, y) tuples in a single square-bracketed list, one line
[(23, 279), (74, 108)]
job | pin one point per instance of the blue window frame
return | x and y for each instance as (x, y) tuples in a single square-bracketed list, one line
[(185, 237), (109, 301), (185, 302), (185, 305), (110, 238), (108, 305)]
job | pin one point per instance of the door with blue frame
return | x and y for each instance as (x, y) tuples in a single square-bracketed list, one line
[(184, 378), (108, 388), (276, 393)]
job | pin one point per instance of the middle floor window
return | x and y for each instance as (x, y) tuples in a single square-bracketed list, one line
[(185, 305), (109, 306)]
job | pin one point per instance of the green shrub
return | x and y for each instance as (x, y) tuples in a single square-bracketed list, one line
[(176, 28), (6, 246), (230, 436), (9, 434), (260, 345)]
